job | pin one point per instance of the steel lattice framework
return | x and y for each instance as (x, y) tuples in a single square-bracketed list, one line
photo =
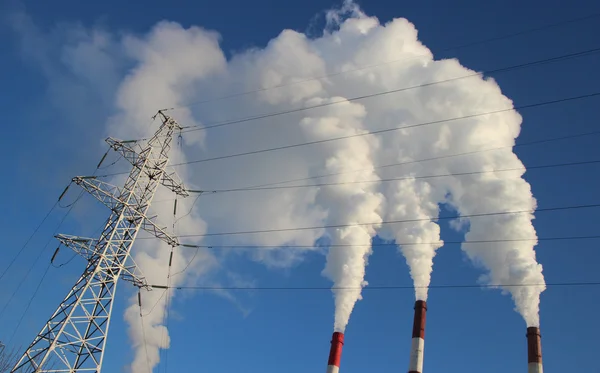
[(74, 338)]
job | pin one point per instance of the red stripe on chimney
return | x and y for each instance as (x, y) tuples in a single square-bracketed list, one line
[(335, 353), (419, 321), (534, 345)]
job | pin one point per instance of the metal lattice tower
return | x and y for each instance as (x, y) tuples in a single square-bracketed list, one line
[(74, 338)]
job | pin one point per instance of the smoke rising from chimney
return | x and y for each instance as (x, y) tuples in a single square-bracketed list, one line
[(347, 203)]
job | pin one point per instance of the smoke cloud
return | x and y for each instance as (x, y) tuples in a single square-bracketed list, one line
[(175, 66), (160, 80), (349, 203)]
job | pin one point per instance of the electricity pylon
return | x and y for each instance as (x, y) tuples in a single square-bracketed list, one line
[(74, 338)]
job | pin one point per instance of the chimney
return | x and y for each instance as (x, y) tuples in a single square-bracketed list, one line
[(534, 350), (335, 353), (418, 338)]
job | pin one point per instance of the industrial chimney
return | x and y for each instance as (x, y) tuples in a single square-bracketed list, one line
[(335, 353), (418, 338), (534, 350)]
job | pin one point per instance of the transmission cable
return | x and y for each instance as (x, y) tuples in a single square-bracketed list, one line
[(37, 288), (155, 304), (528, 143), (534, 142), (218, 191), (544, 103), (168, 299), (378, 94), (366, 133), (70, 209), (37, 228), (395, 244), (458, 47), (45, 247), (190, 262), (73, 256), (166, 314), (144, 331), (385, 222), (390, 287)]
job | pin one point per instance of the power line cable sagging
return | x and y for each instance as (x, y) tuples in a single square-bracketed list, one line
[(380, 94), (280, 185), (387, 62), (400, 221), (383, 287), (564, 57), (276, 186)]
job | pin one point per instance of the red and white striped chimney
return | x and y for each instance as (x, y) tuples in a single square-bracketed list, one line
[(418, 338), (534, 350), (335, 353)]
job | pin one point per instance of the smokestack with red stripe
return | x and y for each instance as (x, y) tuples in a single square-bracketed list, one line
[(534, 350), (335, 353), (418, 338)]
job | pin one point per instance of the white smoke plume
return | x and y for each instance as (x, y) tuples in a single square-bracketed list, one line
[(170, 59), (176, 66), (352, 203), (411, 199)]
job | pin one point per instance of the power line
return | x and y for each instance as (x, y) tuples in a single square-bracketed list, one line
[(539, 104), (145, 344), (528, 143), (70, 209), (395, 244), (190, 262), (155, 304), (534, 142), (24, 313), (367, 133), (377, 94), (395, 221), (166, 311), (369, 287), (37, 228), (38, 257), (458, 47), (144, 332), (37, 288), (216, 191)]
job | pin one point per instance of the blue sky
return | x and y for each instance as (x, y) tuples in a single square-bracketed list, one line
[(47, 140)]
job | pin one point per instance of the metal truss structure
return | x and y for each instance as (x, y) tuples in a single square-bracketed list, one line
[(74, 338)]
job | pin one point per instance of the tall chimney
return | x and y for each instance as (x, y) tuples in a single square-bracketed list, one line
[(335, 353), (418, 338), (534, 350)]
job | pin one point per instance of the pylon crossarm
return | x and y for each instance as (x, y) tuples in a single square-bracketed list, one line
[(132, 274), (170, 180), (151, 227), (81, 245), (86, 248), (174, 183), (125, 149), (104, 192)]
